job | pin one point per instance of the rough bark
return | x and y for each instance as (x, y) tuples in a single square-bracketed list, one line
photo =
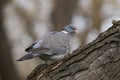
[(98, 60)]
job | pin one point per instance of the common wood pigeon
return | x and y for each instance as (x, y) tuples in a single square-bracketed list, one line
[(54, 46)]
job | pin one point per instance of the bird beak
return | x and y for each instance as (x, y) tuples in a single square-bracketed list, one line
[(76, 31)]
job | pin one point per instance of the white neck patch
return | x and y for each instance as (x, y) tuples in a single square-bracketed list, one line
[(65, 32)]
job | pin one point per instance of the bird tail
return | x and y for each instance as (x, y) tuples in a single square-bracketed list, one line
[(28, 56)]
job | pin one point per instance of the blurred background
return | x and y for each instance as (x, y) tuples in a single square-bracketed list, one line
[(25, 21)]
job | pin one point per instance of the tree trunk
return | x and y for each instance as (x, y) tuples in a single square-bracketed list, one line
[(7, 69), (98, 60), (62, 13)]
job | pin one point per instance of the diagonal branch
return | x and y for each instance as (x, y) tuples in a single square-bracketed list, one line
[(98, 60)]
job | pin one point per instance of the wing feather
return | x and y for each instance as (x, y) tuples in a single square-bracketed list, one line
[(55, 43)]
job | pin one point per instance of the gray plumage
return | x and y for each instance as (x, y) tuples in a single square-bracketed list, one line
[(54, 46)]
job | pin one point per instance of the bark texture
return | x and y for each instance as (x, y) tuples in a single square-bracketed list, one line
[(98, 60)]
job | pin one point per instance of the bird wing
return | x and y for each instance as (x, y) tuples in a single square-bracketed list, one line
[(55, 43), (37, 44), (30, 47)]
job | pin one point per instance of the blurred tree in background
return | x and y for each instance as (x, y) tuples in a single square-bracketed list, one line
[(62, 13), (27, 20), (7, 68)]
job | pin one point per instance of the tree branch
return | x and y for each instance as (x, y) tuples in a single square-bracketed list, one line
[(98, 60)]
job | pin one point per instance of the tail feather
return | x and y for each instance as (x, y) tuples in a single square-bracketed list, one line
[(28, 56)]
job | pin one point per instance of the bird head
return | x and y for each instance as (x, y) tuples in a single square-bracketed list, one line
[(71, 29)]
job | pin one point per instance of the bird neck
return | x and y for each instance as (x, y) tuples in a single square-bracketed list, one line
[(65, 32)]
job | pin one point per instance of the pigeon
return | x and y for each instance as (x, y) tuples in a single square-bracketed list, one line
[(54, 46)]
